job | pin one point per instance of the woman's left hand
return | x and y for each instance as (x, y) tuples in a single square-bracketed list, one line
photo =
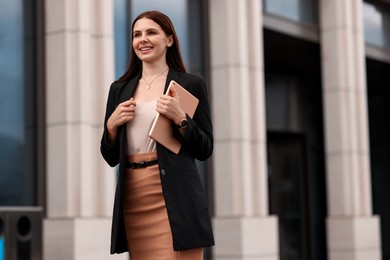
[(169, 106)]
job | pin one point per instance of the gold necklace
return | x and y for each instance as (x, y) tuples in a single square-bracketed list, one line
[(150, 84)]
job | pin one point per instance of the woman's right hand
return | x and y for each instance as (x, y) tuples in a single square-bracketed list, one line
[(123, 113)]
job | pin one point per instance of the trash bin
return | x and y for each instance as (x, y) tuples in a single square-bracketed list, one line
[(1, 237), (20, 233)]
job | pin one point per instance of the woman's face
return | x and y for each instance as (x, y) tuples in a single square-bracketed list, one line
[(150, 42)]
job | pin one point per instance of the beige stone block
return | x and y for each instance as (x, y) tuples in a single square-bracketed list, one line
[(62, 78), (78, 239), (339, 185), (257, 104), (260, 178), (363, 255), (86, 89), (104, 22), (336, 14), (362, 124), (63, 165), (56, 182), (55, 78), (92, 237), (85, 11), (225, 114), (55, 16), (354, 238), (89, 178), (107, 183), (106, 59), (357, 233), (96, 184), (242, 238), (337, 57), (231, 103), (72, 75), (244, 193), (228, 39), (226, 188), (102, 66), (336, 122), (58, 239), (219, 31)]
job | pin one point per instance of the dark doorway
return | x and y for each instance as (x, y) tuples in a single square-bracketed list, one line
[(297, 192), (379, 122), (287, 182)]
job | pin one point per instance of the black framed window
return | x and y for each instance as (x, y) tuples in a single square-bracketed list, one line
[(18, 113), (376, 19), (297, 10)]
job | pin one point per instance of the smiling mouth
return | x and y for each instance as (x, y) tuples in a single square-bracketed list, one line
[(144, 49)]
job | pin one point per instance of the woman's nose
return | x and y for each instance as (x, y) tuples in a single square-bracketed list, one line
[(144, 38)]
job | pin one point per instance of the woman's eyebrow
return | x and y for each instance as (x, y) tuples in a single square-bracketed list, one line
[(147, 30)]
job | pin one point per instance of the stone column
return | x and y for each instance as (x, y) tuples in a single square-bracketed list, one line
[(243, 227), (353, 232), (80, 187)]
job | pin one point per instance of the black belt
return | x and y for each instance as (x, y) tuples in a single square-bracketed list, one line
[(142, 164)]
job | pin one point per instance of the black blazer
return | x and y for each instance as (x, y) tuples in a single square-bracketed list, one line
[(181, 184)]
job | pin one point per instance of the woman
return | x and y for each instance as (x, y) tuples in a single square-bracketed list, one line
[(160, 210)]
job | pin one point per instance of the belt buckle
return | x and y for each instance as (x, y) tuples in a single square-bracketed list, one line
[(141, 164), (138, 165)]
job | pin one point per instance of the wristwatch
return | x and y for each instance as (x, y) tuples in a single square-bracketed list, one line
[(183, 123)]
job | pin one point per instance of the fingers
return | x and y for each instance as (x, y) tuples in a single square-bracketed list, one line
[(169, 107), (130, 102), (173, 92), (165, 102), (124, 113)]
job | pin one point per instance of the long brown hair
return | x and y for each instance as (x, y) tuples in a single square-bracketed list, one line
[(173, 57)]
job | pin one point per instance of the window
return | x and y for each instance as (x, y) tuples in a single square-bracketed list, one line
[(376, 19), (122, 37), (17, 103), (296, 10)]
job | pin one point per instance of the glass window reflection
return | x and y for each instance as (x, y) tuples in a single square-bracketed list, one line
[(376, 19), (121, 29), (17, 127), (297, 10)]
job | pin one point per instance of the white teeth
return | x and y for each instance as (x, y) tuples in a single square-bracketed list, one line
[(145, 49)]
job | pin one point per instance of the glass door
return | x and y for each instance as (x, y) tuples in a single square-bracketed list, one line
[(288, 193)]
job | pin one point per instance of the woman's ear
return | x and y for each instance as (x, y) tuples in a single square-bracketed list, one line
[(170, 41)]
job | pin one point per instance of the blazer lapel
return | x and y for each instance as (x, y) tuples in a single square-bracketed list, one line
[(172, 75), (128, 89)]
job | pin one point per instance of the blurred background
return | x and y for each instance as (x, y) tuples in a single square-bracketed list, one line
[(300, 98)]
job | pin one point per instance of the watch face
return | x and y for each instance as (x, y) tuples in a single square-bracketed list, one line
[(183, 123)]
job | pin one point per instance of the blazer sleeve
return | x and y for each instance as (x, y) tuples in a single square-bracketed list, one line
[(198, 137), (110, 152)]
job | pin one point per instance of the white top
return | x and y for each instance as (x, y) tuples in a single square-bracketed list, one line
[(137, 130)]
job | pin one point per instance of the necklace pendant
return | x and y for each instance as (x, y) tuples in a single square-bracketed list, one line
[(150, 84)]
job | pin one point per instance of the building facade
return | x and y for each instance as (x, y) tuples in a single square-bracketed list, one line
[(300, 98)]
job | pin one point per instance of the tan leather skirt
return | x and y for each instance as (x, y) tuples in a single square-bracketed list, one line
[(148, 231)]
